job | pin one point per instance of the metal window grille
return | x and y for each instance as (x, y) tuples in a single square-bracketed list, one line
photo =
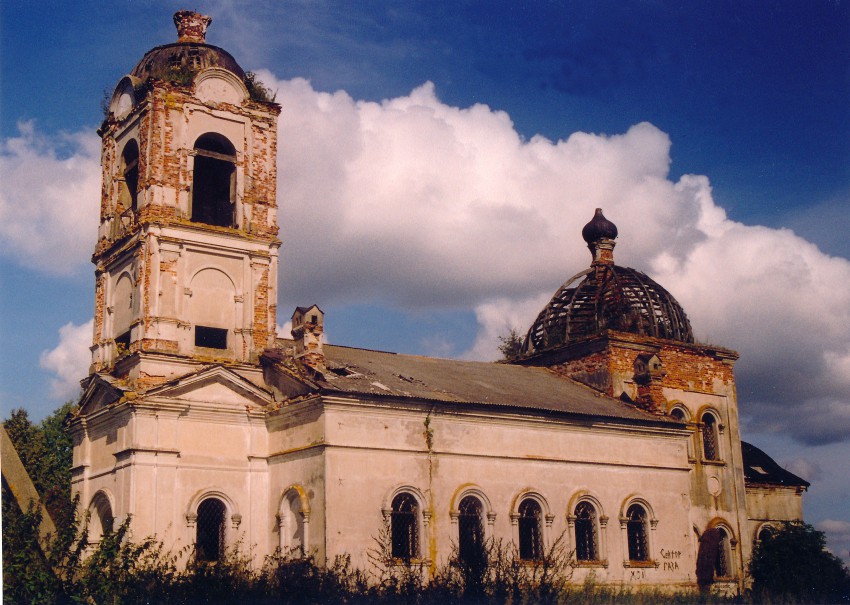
[(209, 544), (470, 529), (636, 530), (404, 521), (587, 547), (530, 532), (709, 437), (722, 568)]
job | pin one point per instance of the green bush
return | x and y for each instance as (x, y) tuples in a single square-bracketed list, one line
[(792, 565)]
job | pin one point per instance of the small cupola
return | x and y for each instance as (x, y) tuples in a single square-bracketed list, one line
[(308, 326), (649, 375), (600, 234)]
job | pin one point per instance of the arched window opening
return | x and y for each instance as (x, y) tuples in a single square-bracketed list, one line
[(636, 520), (102, 520), (209, 543), (530, 530), (709, 437), (470, 529), (587, 535), (678, 414), (404, 527), (723, 560), (214, 181), (129, 187), (765, 533), (292, 526)]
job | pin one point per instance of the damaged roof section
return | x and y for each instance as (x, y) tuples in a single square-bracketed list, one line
[(759, 468), (376, 373)]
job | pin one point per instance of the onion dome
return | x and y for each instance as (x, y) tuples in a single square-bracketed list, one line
[(190, 54), (598, 228), (606, 297)]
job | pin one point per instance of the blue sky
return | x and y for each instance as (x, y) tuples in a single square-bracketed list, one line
[(715, 134)]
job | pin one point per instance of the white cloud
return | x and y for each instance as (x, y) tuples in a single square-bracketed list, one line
[(49, 199), (69, 360), (806, 469), (837, 537), (420, 205), (415, 203)]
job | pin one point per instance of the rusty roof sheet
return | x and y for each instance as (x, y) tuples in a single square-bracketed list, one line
[(363, 371)]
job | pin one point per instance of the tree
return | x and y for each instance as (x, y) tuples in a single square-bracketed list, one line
[(45, 451), (511, 345), (792, 563)]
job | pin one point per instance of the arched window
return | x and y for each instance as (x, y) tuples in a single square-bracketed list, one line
[(404, 526), (636, 530), (102, 520), (723, 560), (292, 530), (709, 437), (530, 530), (587, 535), (209, 542), (214, 181), (765, 533), (470, 526), (678, 414), (129, 186)]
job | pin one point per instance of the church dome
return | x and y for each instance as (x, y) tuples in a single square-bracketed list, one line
[(189, 55), (606, 297)]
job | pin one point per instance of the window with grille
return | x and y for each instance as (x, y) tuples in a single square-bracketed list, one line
[(214, 181), (636, 520), (470, 525), (722, 566), (709, 437), (587, 540), (404, 526), (530, 530), (209, 542)]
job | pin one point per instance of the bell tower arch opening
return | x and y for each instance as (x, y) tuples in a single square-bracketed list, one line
[(214, 181), (129, 191)]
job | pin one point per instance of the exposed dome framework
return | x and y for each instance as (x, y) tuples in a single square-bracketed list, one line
[(606, 297)]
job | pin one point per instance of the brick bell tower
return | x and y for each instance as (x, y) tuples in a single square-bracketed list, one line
[(187, 250)]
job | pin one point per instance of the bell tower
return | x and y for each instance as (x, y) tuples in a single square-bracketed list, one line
[(187, 250)]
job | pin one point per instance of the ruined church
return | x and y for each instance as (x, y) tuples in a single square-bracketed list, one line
[(613, 430)]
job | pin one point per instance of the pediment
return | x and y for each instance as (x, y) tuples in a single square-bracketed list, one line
[(217, 386), (98, 392)]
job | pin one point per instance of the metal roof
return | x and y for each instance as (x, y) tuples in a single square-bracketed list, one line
[(761, 468), (377, 373)]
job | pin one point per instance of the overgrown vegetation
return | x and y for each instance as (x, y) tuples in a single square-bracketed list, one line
[(257, 90), (792, 565), (511, 345)]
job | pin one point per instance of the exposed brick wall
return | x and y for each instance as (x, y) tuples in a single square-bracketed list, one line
[(607, 361), (164, 183)]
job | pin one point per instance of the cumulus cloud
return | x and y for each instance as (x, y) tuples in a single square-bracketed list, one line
[(69, 360), (416, 204), (49, 198), (419, 204)]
